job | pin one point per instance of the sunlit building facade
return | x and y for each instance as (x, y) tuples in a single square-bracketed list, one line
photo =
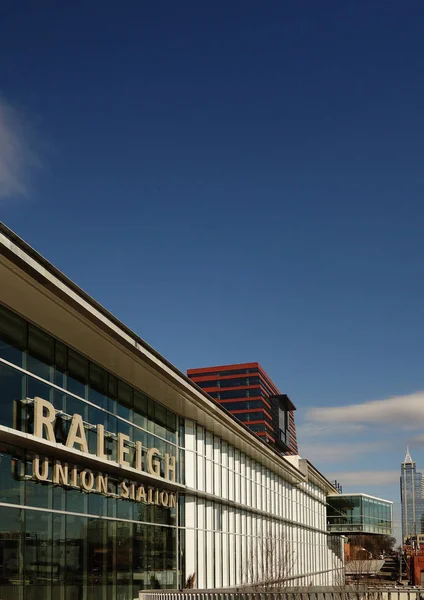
[(117, 473), (412, 498)]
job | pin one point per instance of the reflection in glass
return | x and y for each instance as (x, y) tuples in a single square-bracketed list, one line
[(108, 547), (37, 493), (40, 358), (39, 566), (13, 387), (11, 474), (13, 336), (11, 550)]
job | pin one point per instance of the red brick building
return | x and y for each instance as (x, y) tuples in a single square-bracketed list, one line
[(249, 394)]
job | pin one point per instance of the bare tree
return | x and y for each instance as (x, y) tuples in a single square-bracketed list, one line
[(357, 582), (271, 562)]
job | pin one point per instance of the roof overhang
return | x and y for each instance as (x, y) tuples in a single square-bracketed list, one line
[(44, 296)]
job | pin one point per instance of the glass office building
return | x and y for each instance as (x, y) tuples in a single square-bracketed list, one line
[(412, 499), (117, 473), (359, 513)]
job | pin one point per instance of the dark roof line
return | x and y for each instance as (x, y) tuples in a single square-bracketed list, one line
[(75, 288), (18, 241)]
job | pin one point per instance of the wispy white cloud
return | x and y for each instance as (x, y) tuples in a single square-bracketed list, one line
[(364, 436), (17, 156), (335, 452), (407, 410), (365, 478), (342, 434), (312, 430)]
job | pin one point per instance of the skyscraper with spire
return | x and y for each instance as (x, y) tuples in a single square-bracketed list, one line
[(412, 498)]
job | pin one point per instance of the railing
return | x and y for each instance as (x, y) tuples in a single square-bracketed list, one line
[(369, 593)]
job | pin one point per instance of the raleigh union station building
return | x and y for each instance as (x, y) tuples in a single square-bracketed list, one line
[(118, 473)]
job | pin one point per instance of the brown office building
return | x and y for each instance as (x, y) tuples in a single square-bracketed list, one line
[(249, 394)]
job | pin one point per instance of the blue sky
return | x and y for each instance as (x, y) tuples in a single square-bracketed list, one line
[(238, 181)]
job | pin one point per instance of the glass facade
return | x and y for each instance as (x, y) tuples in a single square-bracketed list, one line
[(412, 499), (359, 513), (62, 543)]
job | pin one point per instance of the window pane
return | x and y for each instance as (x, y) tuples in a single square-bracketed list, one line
[(13, 387), (125, 401), (160, 420), (38, 552), (140, 409), (11, 475), (59, 563), (40, 353), (13, 336), (76, 555), (11, 550), (40, 389), (78, 373), (38, 493), (171, 426)]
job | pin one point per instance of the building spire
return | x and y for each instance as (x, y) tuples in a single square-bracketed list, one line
[(408, 457)]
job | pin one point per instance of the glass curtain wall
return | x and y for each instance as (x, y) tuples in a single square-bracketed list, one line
[(60, 543), (412, 500), (359, 513)]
